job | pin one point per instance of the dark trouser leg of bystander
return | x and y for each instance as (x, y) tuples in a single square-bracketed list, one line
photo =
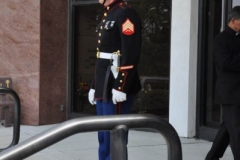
[(220, 143), (231, 114)]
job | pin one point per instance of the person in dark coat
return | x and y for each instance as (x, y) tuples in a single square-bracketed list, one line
[(116, 81), (227, 60)]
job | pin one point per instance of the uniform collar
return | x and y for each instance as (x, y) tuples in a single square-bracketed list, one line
[(113, 4), (232, 32)]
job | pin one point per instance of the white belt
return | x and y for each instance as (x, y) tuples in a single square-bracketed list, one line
[(104, 55), (115, 56)]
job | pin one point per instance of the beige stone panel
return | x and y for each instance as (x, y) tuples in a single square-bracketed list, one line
[(26, 85), (19, 58), (19, 52), (20, 21)]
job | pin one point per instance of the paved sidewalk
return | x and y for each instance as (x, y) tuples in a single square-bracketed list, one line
[(143, 145)]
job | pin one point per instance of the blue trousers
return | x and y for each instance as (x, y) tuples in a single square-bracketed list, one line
[(108, 108)]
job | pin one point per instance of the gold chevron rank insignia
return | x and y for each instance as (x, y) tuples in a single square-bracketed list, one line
[(128, 27)]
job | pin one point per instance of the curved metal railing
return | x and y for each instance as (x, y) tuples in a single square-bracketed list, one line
[(96, 123), (16, 122)]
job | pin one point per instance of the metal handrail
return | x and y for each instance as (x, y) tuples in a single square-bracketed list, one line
[(16, 123), (96, 123)]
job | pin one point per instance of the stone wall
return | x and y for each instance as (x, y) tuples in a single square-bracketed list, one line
[(53, 60), (33, 51), (20, 53)]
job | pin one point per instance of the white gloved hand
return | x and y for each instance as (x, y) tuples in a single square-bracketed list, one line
[(118, 96), (91, 96)]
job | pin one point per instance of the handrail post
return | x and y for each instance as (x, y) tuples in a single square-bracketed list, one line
[(96, 123), (16, 123), (118, 142)]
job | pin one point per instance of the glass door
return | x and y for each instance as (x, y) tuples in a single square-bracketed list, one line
[(213, 21), (236, 3)]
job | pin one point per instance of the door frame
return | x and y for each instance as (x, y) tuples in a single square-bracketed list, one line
[(202, 131)]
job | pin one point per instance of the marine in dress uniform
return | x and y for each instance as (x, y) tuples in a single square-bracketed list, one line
[(227, 60), (116, 81)]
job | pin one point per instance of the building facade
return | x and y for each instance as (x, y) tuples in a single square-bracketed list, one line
[(47, 47), (33, 46)]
